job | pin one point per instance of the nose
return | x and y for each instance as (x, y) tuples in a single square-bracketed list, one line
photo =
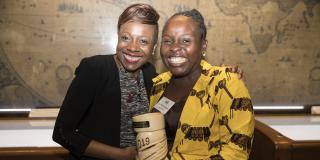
[(175, 47), (133, 46)]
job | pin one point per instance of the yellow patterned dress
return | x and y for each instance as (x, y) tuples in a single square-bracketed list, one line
[(217, 121)]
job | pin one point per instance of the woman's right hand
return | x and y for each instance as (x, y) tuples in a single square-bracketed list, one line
[(129, 153), (103, 151)]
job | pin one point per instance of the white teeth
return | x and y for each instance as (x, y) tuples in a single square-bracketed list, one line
[(177, 60), (131, 58)]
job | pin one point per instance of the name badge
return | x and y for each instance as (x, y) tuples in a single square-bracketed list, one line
[(164, 105)]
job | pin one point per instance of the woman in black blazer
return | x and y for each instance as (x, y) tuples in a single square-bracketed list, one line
[(94, 121)]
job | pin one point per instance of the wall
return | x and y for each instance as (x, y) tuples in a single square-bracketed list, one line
[(276, 43)]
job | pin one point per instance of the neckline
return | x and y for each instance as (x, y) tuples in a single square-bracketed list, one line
[(123, 70)]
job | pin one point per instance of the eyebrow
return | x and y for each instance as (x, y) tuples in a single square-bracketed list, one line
[(135, 35), (164, 35)]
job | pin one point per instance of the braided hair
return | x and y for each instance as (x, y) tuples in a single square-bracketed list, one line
[(196, 16)]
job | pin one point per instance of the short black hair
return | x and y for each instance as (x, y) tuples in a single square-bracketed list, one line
[(196, 16), (143, 13)]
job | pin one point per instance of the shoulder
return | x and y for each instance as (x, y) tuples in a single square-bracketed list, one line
[(225, 81), (98, 61), (221, 76), (96, 65), (218, 72), (224, 73)]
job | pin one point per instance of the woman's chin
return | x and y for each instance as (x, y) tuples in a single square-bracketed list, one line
[(177, 72), (132, 67)]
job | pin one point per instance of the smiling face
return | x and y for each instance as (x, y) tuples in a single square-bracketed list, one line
[(181, 46), (135, 44)]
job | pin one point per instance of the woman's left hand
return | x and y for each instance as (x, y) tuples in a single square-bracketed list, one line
[(235, 69)]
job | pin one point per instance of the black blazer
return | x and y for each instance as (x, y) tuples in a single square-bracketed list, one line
[(91, 108)]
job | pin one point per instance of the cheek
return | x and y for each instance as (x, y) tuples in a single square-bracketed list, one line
[(196, 57), (163, 50), (120, 45), (164, 59), (147, 50), (194, 51)]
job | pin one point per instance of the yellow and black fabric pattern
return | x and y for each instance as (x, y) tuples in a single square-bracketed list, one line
[(217, 121)]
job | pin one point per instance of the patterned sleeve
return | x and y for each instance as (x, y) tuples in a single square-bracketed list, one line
[(236, 118)]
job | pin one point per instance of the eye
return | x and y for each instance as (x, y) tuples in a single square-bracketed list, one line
[(144, 42), (185, 41), (124, 38), (167, 41)]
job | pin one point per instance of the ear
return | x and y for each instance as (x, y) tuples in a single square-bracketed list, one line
[(204, 45)]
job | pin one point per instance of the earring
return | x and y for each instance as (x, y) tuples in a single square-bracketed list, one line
[(203, 53), (154, 49)]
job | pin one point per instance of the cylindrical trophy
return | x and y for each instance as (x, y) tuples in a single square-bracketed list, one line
[(151, 136)]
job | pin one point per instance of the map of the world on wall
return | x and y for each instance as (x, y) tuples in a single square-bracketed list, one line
[(276, 43)]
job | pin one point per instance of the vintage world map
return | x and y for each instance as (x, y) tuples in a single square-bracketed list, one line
[(276, 43)]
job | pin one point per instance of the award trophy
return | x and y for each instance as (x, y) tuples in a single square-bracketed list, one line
[(151, 136)]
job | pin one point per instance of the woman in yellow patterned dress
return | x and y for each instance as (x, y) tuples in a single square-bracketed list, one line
[(208, 109)]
